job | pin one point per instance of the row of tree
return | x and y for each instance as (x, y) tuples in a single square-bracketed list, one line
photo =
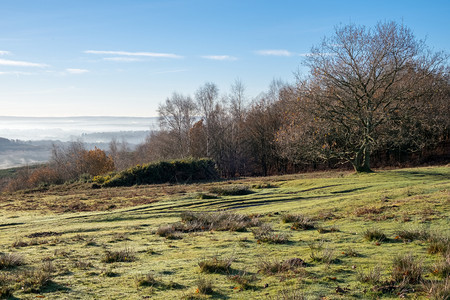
[(369, 91)]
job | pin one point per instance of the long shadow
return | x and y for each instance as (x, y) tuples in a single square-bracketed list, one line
[(421, 175), (54, 287), (265, 202), (10, 224), (349, 191), (318, 188)]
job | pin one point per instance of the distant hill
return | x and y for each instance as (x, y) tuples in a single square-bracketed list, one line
[(7, 145), (14, 153)]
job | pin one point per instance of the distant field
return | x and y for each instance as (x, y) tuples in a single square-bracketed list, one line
[(306, 236)]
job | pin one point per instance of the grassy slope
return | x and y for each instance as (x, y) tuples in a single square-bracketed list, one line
[(421, 195)]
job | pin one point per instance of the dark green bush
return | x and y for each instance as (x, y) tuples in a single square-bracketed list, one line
[(188, 170)]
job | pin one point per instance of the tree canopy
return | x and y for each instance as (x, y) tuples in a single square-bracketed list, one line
[(365, 87)]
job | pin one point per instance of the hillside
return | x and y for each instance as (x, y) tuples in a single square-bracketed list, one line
[(331, 235)]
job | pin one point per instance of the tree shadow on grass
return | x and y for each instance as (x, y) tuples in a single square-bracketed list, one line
[(52, 287)]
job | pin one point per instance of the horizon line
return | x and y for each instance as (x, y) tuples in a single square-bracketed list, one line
[(81, 116)]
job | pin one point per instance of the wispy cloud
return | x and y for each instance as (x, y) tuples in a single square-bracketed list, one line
[(2, 52), (17, 63), (275, 52), (122, 58), (169, 71), (287, 53), (141, 54), (16, 73), (220, 57), (76, 71)]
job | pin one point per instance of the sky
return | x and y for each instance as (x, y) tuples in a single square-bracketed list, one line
[(124, 57)]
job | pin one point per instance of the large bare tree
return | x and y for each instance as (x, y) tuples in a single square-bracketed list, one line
[(362, 83)]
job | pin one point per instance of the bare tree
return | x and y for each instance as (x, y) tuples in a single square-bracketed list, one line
[(207, 98), (361, 82), (177, 115), (262, 123), (237, 100)]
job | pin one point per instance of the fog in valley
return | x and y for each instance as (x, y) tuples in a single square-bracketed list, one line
[(28, 140)]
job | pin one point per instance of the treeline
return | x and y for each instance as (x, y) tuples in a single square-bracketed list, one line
[(373, 96)]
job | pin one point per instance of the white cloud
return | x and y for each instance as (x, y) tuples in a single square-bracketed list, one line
[(316, 54), (76, 71), (169, 71), (278, 52), (122, 58), (2, 52), (17, 63), (143, 54), (15, 73), (220, 57)]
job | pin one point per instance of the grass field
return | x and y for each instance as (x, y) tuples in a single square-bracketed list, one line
[(331, 235)]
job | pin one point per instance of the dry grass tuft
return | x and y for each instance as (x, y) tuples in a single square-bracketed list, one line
[(10, 260), (266, 234), (125, 255), (406, 269), (216, 265)]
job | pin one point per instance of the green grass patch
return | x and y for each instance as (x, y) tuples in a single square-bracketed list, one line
[(152, 241)]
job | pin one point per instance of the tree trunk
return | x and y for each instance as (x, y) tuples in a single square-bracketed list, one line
[(361, 164)]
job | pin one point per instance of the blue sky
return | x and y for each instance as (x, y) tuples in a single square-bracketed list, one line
[(122, 58)]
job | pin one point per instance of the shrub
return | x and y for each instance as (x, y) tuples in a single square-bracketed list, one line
[(204, 286), (373, 234), (200, 221), (271, 267), (350, 252), (289, 294), (266, 234), (95, 162), (300, 222), (44, 176), (146, 280), (406, 269), (438, 244), (369, 210), (413, 234), (232, 190), (264, 185), (324, 255), (372, 276), (79, 264), (33, 281), (189, 170), (170, 232), (442, 268), (243, 280), (438, 290), (216, 265), (124, 255), (203, 196), (327, 230), (10, 260)]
